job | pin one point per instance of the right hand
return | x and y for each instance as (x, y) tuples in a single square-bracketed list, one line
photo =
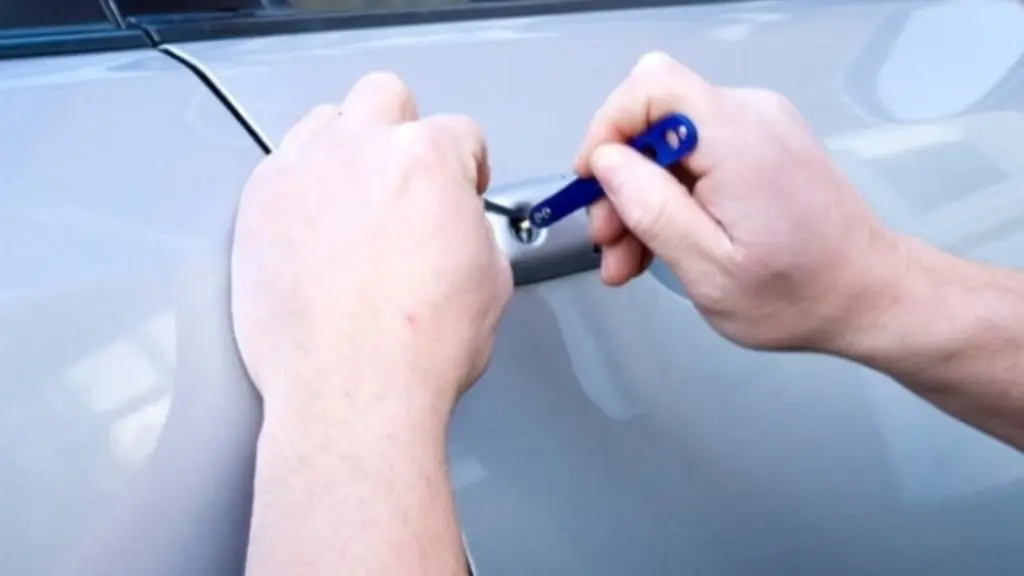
[(774, 246)]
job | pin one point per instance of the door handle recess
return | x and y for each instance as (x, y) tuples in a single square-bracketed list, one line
[(547, 253)]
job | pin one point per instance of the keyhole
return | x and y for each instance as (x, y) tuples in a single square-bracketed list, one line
[(522, 228), (524, 231)]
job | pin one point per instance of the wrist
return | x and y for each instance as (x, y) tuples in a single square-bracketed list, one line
[(913, 293), (360, 397), (362, 476), (873, 292)]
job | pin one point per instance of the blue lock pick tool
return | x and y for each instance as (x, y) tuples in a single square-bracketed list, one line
[(665, 142)]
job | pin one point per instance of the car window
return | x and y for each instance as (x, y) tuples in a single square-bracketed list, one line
[(151, 7), (141, 7), (173, 6), (371, 4), (154, 7), (26, 15), (179, 21)]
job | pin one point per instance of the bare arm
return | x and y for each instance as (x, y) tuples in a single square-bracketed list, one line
[(366, 289), (778, 250), (354, 487), (952, 331)]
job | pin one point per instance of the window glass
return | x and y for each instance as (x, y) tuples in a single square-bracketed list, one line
[(17, 15), (360, 5), (151, 7)]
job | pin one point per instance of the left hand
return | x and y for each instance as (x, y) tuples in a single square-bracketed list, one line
[(364, 268)]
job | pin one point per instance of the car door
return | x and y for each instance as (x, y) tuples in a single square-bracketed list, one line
[(614, 431), (126, 425)]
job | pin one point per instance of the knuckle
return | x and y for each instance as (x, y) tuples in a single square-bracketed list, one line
[(769, 100), (461, 140), (718, 104), (653, 79), (656, 89), (654, 64), (417, 145), (323, 109), (460, 127), (472, 129), (316, 117), (779, 103), (387, 82), (448, 147), (669, 85), (712, 293)]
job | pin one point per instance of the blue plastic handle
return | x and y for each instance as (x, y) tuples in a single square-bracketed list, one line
[(666, 142)]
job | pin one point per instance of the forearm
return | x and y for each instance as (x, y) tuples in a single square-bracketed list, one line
[(953, 332), (354, 486)]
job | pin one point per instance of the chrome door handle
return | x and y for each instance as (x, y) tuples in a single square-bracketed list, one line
[(540, 254)]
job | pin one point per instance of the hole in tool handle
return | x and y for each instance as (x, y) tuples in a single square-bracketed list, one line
[(665, 142)]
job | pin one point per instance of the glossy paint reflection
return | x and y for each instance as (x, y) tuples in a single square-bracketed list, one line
[(127, 427), (922, 78), (615, 432), (617, 441)]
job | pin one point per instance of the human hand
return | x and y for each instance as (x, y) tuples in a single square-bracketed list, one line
[(774, 246), (361, 248)]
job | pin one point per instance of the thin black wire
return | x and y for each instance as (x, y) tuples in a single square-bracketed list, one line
[(510, 213)]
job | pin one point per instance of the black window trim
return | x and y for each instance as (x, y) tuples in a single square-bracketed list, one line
[(123, 32), (225, 25), (73, 39), (103, 31)]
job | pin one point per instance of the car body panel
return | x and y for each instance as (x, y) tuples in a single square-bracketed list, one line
[(127, 427), (614, 432)]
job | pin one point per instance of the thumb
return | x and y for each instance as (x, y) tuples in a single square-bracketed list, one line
[(656, 208)]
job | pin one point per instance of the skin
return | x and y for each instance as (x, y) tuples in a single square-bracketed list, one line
[(361, 352), (779, 251)]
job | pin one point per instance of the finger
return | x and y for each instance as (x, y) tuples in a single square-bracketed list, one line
[(379, 97), (657, 86), (506, 276), (465, 139), (655, 206), (605, 226), (309, 125), (621, 261), (506, 279)]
